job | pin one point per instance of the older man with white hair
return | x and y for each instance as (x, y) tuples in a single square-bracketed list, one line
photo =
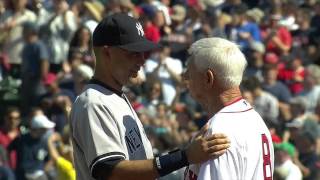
[(214, 73), (311, 89)]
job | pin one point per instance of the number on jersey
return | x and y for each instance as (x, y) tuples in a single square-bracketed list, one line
[(266, 158)]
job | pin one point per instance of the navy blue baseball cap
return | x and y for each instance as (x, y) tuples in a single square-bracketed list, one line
[(123, 31)]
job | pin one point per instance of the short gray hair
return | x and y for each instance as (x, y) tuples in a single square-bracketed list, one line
[(314, 71), (222, 56), (299, 101)]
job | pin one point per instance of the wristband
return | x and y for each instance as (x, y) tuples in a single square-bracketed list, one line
[(170, 162)]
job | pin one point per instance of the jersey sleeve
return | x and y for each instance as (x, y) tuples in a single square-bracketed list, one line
[(96, 131)]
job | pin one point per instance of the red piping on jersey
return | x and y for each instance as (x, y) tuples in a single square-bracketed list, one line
[(238, 111), (234, 101)]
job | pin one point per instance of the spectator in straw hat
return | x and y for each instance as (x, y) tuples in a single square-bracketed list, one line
[(255, 15), (93, 14), (178, 13), (95, 8)]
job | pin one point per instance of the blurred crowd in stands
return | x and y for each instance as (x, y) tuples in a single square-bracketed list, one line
[(46, 59)]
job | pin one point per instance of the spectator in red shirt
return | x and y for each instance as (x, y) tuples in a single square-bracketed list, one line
[(9, 131), (293, 75), (151, 30), (277, 38)]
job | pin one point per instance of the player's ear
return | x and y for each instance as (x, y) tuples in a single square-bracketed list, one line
[(210, 77)]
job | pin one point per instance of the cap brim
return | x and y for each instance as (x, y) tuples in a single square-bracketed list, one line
[(294, 125), (46, 125), (50, 125), (142, 46)]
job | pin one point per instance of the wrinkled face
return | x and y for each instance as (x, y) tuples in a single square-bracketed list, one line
[(124, 64), (194, 80)]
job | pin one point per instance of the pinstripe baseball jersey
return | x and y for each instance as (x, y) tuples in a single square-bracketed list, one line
[(105, 128), (250, 155)]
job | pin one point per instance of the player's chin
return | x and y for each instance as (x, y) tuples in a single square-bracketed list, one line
[(132, 78)]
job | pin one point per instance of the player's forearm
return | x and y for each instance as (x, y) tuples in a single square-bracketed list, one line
[(151, 169), (139, 169)]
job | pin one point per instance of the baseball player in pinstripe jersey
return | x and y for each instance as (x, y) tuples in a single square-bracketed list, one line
[(214, 72), (108, 138)]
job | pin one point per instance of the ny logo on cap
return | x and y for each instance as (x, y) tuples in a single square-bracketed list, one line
[(140, 29)]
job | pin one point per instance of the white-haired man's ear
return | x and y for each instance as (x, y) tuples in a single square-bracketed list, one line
[(210, 76)]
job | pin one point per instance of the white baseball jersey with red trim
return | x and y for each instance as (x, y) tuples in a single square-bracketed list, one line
[(250, 156)]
